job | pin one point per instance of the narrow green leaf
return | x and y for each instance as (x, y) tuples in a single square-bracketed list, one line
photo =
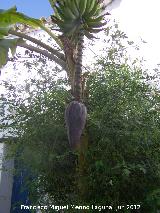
[(11, 16), (52, 3)]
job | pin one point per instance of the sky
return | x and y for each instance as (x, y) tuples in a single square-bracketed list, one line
[(34, 8)]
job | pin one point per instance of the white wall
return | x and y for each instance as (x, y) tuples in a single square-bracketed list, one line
[(1, 155), (6, 170), (6, 182)]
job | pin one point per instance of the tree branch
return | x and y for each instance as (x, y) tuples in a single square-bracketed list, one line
[(45, 53), (36, 41)]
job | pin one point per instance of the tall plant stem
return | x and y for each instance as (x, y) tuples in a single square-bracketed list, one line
[(78, 67)]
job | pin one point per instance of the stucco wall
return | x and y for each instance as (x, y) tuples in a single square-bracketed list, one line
[(6, 181)]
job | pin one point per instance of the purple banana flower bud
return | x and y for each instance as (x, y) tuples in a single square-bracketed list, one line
[(75, 116)]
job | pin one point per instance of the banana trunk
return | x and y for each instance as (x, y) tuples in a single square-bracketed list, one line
[(78, 67)]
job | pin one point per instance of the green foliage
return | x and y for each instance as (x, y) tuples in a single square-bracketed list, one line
[(43, 145), (7, 19), (124, 136), (122, 162), (11, 16), (73, 16)]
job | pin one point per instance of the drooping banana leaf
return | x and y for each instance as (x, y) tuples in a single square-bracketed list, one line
[(7, 19), (11, 16)]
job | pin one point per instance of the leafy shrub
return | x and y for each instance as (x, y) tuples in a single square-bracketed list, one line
[(123, 157), (122, 163)]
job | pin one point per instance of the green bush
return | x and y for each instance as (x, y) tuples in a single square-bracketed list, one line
[(122, 162), (124, 130)]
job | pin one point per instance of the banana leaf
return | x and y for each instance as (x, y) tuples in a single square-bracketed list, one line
[(11, 16), (7, 19)]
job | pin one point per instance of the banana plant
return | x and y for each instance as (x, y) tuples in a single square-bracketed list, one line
[(76, 19)]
